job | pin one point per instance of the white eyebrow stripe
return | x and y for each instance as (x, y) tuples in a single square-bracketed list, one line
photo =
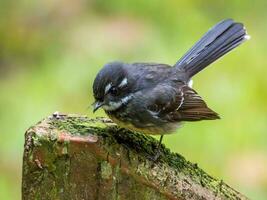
[(107, 88), (123, 82)]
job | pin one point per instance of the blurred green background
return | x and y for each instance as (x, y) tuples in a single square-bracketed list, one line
[(50, 52)]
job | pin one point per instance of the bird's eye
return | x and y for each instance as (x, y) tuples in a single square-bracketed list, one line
[(114, 91), (98, 98)]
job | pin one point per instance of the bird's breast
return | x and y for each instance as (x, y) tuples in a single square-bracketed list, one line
[(151, 129)]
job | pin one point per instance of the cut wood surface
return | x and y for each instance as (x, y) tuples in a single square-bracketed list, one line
[(74, 157)]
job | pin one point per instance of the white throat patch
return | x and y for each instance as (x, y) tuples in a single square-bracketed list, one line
[(116, 105)]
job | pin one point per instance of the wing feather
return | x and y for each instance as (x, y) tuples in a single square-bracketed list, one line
[(183, 105)]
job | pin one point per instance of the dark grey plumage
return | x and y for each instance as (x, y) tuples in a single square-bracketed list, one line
[(155, 98), (219, 40)]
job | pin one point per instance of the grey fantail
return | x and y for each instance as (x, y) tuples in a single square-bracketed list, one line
[(156, 98)]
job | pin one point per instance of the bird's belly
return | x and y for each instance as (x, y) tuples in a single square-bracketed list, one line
[(150, 129)]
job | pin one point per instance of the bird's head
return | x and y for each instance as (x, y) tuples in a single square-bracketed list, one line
[(112, 87)]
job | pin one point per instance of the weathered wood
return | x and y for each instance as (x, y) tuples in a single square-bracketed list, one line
[(73, 157)]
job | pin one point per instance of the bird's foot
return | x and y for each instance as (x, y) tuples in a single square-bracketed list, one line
[(157, 155)]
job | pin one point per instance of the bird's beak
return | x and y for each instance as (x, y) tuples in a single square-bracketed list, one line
[(97, 105)]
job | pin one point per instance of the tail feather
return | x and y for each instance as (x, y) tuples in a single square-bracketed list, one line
[(219, 40)]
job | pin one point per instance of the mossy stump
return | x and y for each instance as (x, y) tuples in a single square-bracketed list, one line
[(74, 157)]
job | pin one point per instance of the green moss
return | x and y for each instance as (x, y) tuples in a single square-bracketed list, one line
[(106, 170), (144, 146), (48, 166)]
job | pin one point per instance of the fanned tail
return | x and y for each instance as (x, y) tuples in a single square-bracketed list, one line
[(219, 40)]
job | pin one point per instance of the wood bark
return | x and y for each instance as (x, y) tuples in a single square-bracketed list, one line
[(74, 157)]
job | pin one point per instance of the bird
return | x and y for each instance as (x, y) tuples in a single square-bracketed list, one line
[(156, 99)]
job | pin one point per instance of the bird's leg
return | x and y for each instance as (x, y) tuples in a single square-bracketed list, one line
[(160, 141), (158, 149)]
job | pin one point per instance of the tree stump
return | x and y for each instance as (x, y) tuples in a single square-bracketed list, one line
[(74, 157)]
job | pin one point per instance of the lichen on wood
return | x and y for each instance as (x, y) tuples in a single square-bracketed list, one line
[(74, 157)]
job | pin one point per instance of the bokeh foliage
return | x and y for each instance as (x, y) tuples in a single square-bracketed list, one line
[(50, 52)]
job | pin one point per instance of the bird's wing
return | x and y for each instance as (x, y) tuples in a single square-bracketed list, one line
[(179, 104)]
